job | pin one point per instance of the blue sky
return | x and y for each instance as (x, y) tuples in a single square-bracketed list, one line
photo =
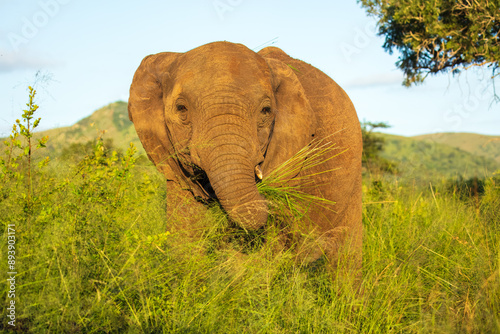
[(86, 53)]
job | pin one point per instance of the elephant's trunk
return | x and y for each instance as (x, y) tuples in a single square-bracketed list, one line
[(236, 190), (229, 161)]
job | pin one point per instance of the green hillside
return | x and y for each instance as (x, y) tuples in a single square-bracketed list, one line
[(111, 121), (487, 146), (424, 160)]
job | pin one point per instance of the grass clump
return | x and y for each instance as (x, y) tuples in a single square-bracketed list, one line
[(286, 189), (95, 258)]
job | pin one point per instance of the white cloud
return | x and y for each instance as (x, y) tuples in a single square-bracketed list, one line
[(10, 62)]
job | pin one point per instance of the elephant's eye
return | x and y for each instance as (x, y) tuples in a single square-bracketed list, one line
[(266, 110), (181, 108)]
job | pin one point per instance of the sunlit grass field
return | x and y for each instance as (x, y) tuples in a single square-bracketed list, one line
[(93, 255)]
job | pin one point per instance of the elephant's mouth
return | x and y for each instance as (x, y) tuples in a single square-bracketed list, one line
[(236, 193), (200, 176)]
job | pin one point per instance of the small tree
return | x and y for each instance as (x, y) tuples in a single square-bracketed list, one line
[(436, 36), (16, 149), (373, 145)]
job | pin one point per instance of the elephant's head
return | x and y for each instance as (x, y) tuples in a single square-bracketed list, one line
[(214, 117)]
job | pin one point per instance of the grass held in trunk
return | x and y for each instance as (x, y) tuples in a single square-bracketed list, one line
[(284, 187)]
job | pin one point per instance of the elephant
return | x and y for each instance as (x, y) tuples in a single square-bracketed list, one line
[(217, 119)]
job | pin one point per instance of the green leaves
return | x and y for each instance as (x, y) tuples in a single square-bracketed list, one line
[(19, 148), (438, 36), (42, 142), (103, 173)]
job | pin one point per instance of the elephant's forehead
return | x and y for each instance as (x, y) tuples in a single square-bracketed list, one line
[(227, 67)]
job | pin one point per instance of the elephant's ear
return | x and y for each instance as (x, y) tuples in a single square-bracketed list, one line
[(295, 122), (146, 110)]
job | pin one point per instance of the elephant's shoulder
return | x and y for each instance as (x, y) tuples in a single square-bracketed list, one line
[(274, 52), (299, 67)]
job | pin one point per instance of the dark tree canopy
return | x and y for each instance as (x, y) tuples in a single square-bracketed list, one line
[(436, 36)]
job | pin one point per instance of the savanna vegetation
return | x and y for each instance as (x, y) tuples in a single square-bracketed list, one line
[(93, 254)]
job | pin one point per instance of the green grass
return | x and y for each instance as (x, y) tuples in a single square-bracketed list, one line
[(93, 256)]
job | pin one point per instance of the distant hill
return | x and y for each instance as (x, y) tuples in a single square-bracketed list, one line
[(486, 146), (422, 158), (425, 159), (112, 119)]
